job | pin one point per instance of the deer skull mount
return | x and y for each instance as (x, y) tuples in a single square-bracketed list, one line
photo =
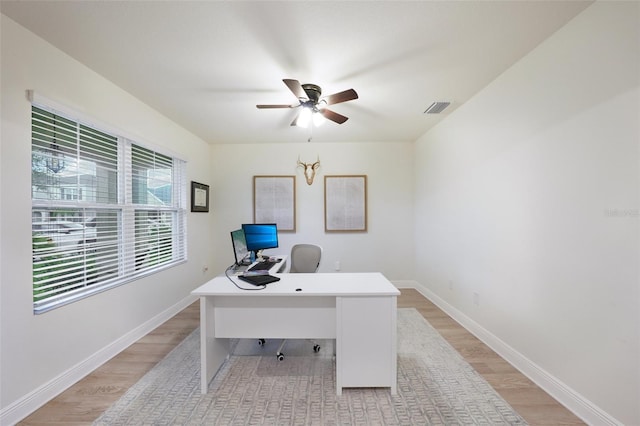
[(309, 169)]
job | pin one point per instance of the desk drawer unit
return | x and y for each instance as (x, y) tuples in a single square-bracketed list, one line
[(366, 344)]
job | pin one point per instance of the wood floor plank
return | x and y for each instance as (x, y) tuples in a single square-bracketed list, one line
[(85, 401)]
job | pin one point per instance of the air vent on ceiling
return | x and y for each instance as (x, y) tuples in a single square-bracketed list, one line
[(437, 107)]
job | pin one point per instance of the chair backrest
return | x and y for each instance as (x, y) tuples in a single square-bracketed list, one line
[(305, 258)]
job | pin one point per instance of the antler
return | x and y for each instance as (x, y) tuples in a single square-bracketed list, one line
[(309, 169)]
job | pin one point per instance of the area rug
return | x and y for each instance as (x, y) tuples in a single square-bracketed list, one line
[(436, 386)]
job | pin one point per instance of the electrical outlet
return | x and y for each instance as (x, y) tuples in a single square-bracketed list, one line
[(337, 265), (476, 299), (451, 285), (205, 269)]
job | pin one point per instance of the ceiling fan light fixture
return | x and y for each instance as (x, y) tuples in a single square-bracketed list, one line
[(304, 118)]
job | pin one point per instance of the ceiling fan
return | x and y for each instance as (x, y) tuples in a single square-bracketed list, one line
[(312, 104)]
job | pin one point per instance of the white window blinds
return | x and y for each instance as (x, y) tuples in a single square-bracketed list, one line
[(104, 210)]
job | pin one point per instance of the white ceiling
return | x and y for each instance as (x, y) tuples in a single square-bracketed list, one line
[(207, 64)]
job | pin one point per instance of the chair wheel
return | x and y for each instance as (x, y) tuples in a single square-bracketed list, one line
[(261, 342), (280, 357), (316, 348)]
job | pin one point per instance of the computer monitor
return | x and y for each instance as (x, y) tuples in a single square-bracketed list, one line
[(260, 236), (239, 244)]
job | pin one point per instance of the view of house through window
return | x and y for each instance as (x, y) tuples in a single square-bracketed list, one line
[(104, 210)]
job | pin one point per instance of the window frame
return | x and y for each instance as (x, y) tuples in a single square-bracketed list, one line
[(125, 242)]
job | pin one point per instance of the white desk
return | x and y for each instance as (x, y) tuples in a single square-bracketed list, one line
[(359, 310)]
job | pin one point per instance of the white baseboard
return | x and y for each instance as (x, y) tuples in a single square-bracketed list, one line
[(26, 405), (572, 400), (405, 284)]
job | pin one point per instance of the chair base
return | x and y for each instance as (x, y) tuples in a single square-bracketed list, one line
[(280, 354)]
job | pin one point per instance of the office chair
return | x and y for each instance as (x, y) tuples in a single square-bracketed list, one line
[(304, 258)]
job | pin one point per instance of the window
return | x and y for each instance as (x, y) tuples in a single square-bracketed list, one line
[(105, 210)]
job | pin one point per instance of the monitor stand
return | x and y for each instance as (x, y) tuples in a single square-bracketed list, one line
[(256, 256)]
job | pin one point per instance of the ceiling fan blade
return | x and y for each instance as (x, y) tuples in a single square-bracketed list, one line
[(333, 116), (296, 88), (344, 96), (275, 106)]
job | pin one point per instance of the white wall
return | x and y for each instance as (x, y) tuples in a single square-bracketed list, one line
[(39, 351), (387, 246), (528, 196)]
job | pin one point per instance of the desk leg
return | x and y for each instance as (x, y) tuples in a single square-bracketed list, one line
[(213, 351)]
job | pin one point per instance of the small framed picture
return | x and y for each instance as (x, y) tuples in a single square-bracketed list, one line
[(199, 197)]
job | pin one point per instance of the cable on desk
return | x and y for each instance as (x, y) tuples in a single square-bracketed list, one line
[(226, 273)]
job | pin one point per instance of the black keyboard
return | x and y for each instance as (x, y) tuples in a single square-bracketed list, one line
[(265, 265), (259, 279)]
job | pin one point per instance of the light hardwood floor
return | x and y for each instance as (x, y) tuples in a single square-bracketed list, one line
[(82, 403)]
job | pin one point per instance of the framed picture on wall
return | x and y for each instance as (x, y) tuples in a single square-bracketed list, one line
[(274, 201), (199, 197), (345, 203)]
